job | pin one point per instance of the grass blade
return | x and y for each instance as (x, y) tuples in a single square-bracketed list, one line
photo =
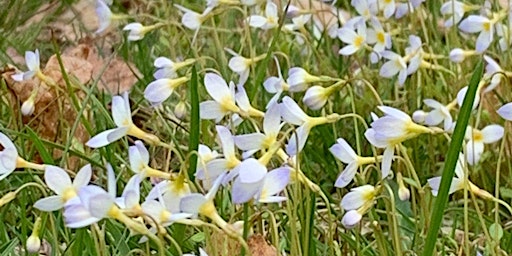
[(193, 142), (451, 160)]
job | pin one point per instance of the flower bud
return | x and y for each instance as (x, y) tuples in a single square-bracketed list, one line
[(315, 97), (419, 116), (7, 198), (28, 107), (180, 110), (33, 243), (403, 193)]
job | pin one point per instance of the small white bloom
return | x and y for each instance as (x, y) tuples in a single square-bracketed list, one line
[(32, 62), (357, 197), (59, 182), (223, 98), (395, 65), (354, 40), (482, 25), (477, 138), (269, 21), (160, 90)]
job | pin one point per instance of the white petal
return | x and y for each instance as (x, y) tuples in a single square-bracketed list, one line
[(49, 204), (56, 179), (347, 175), (483, 41), (272, 121), (83, 176), (192, 203), (121, 112), (211, 110), (492, 133), (249, 141), (276, 180), (298, 140), (346, 35), (251, 171), (106, 137), (343, 151), (474, 151), (238, 64), (348, 50), (226, 139), (216, 87), (158, 91), (99, 205), (291, 112), (191, 20), (78, 216), (32, 60), (162, 62), (505, 111), (271, 10), (387, 159), (243, 192), (257, 21), (351, 219), (394, 113), (473, 24)]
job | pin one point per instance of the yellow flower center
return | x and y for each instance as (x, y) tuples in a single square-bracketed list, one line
[(477, 135), (486, 26), (358, 41), (68, 193), (381, 37)]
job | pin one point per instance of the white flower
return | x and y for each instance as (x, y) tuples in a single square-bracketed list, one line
[(159, 90), (216, 167), (316, 97), (269, 21), (477, 139), (244, 104), (190, 19), (494, 71), (293, 114), (391, 129), (275, 182), (458, 55), (457, 181), (59, 182), (343, 152), (439, 114), (454, 8), (377, 36), (139, 162), (354, 40), (475, 24), (298, 79), (137, 31), (357, 197), (223, 98), (32, 62), (122, 116), (395, 65), (258, 141), (167, 68), (388, 6), (33, 244), (365, 8), (9, 159), (275, 85)]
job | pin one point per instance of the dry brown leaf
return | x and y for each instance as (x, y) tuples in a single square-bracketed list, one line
[(115, 75), (259, 246)]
